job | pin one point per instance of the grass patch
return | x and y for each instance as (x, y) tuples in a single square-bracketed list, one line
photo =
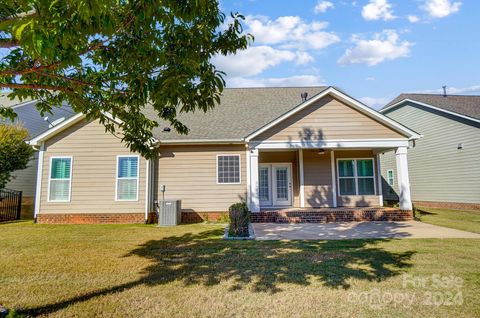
[(460, 220), (142, 270)]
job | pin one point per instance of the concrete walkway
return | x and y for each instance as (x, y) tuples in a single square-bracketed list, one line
[(355, 230)]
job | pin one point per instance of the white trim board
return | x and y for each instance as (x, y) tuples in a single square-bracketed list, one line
[(352, 102), (428, 106), (38, 189), (331, 144)]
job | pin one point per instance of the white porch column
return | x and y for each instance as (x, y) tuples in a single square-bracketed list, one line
[(302, 178), (253, 195), (334, 178), (403, 179), (379, 181)]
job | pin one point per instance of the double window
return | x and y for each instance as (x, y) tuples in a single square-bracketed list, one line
[(228, 169), (127, 178), (60, 181), (356, 177)]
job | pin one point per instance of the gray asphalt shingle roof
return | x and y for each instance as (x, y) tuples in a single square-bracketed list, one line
[(30, 118), (467, 105), (241, 112)]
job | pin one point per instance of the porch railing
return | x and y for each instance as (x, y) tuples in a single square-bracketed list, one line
[(10, 204)]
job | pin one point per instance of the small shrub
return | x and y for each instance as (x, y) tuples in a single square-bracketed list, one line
[(239, 220)]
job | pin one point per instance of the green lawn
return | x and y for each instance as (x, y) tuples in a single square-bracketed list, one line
[(189, 271), (461, 220)]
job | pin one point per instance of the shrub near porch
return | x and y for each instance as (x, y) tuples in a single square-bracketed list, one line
[(142, 270)]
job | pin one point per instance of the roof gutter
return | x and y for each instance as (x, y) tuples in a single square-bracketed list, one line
[(201, 141)]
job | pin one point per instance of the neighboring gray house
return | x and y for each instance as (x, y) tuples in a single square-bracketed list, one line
[(29, 117), (444, 165)]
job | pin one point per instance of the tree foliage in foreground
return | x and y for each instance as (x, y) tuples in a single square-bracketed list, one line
[(116, 57), (15, 153)]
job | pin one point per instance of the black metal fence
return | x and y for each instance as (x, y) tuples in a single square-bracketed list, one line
[(10, 204)]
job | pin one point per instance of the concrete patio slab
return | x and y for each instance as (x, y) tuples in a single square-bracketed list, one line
[(355, 230)]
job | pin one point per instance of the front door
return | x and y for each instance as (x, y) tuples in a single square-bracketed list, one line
[(275, 184)]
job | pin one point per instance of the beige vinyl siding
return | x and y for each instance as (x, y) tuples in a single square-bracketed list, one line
[(94, 167), (357, 200), (439, 171), (328, 119), (189, 173), (285, 157), (25, 180), (317, 179)]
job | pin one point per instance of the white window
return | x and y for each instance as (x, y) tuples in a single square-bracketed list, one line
[(390, 178), (60, 181), (356, 177), (228, 169), (127, 178)]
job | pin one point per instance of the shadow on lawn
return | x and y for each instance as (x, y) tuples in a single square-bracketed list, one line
[(204, 259)]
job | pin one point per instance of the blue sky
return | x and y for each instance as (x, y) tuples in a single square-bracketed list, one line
[(373, 49)]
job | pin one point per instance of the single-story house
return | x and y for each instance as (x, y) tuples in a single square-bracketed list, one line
[(444, 165), (29, 117), (296, 148)]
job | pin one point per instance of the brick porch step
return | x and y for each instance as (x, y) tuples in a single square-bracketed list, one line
[(324, 215)]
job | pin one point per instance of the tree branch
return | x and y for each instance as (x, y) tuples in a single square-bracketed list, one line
[(49, 66), (21, 15), (36, 87), (8, 43)]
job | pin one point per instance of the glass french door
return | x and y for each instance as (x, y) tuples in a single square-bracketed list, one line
[(275, 184)]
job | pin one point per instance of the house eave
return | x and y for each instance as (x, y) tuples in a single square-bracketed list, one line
[(201, 141), (399, 103)]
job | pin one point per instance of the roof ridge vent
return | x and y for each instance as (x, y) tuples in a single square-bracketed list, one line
[(304, 96)]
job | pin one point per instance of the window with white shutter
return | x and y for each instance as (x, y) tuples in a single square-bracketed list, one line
[(60, 180), (127, 178)]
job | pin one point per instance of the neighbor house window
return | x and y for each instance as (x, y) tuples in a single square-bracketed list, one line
[(60, 179), (228, 169), (356, 177), (390, 178), (127, 178)]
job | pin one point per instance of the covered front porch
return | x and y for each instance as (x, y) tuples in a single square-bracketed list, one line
[(318, 182)]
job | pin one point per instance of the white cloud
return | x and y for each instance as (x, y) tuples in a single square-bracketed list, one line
[(370, 78), (300, 80), (323, 6), (375, 102), (474, 89), (413, 18), (378, 10), (441, 8), (287, 39), (382, 47), (253, 60), (303, 58), (290, 32)]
